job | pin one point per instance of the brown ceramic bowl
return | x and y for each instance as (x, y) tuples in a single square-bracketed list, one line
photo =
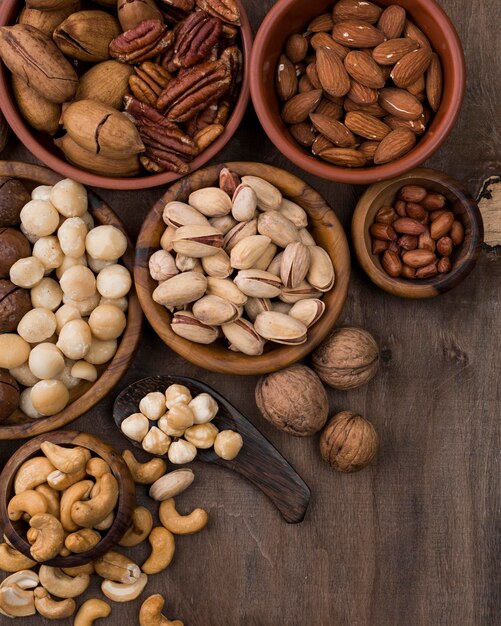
[(323, 225), (463, 258), (123, 511), (41, 144), (291, 16)]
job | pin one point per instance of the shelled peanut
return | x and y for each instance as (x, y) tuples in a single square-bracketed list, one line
[(360, 85), (416, 237)]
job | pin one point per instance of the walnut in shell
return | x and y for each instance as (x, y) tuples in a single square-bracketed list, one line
[(294, 400), (347, 359), (348, 442)]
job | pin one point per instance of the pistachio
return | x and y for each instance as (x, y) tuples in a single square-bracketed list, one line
[(254, 306), (167, 237), (281, 307), (36, 110), (295, 264), (293, 212), (197, 241), (214, 310), (218, 265), (225, 288), (266, 258), (239, 232), (280, 328), (275, 266), (211, 201), (188, 263), (308, 311), (248, 251), (301, 292), (258, 283), (278, 228), (181, 289), (181, 214), (186, 325), (305, 237), (223, 224), (86, 35), (269, 198), (107, 82), (162, 266), (243, 337), (244, 203), (321, 272)]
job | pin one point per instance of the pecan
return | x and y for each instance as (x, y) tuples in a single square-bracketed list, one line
[(223, 112), (207, 135), (233, 58), (229, 34), (202, 119), (172, 139), (226, 10), (196, 37), (148, 82), (150, 165), (194, 90), (167, 160), (172, 15), (183, 5), (147, 40)]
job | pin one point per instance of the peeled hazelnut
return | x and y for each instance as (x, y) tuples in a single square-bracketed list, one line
[(71, 235), (46, 361), (201, 435), (78, 283), (348, 442), (46, 294), (156, 442), (204, 408), (108, 322), (37, 325), (114, 281), (48, 251), (75, 339), (153, 405), (13, 196), (39, 218), (181, 451), (27, 272), (69, 198), (13, 246), (49, 397), (228, 444), (347, 359), (135, 426), (177, 394), (9, 395), (294, 400), (106, 243), (180, 417), (14, 304)]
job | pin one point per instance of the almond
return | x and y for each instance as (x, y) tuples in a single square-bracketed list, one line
[(321, 23), (411, 67), (345, 157), (305, 84), (434, 82), (312, 74), (372, 109), (442, 225), (391, 263), (366, 126), (411, 31), (400, 103), (296, 48), (326, 107), (357, 34), (303, 133), (334, 131), (356, 10), (324, 40), (417, 212), (361, 94), (408, 226), (332, 73), (433, 201), (427, 271), (444, 266), (298, 108), (368, 148), (417, 88), (321, 143), (390, 52), (417, 126), (362, 67), (392, 21), (457, 233), (425, 242), (418, 258), (385, 232), (394, 145), (286, 78), (412, 193)]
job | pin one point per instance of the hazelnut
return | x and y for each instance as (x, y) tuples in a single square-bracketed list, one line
[(181, 452), (71, 236), (228, 444), (13, 196), (47, 294), (48, 397), (156, 442), (37, 325), (177, 394), (13, 246), (153, 405), (108, 322), (106, 243), (39, 218), (204, 408), (135, 426), (348, 442), (14, 303), (14, 351), (180, 417), (27, 272), (78, 283), (69, 198), (201, 435), (9, 395), (48, 251), (347, 359), (114, 281), (294, 400), (46, 361)]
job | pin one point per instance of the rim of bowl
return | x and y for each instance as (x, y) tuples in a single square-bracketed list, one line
[(428, 144), (27, 137), (429, 287)]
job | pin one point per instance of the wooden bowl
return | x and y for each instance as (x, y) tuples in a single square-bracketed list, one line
[(325, 228), (290, 16), (126, 497), (41, 145), (87, 394), (464, 257)]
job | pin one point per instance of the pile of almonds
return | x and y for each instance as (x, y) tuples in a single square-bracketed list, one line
[(359, 85), (417, 236)]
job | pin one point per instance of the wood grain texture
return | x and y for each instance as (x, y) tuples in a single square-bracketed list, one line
[(414, 539)]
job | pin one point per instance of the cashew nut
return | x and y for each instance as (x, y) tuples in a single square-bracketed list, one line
[(66, 460), (144, 473), (181, 524), (96, 467), (87, 568), (82, 540), (12, 561), (106, 523), (16, 602), (60, 584), (142, 523), (53, 609), (32, 473), (50, 538), (52, 498), (90, 611), (116, 566), (26, 579), (31, 535), (150, 613), (162, 550), (119, 592), (29, 501), (93, 511), (73, 494)]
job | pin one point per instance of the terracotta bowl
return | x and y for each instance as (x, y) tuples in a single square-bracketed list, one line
[(464, 257), (41, 144), (86, 394), (126, 497), (291, 16), (323, 225)]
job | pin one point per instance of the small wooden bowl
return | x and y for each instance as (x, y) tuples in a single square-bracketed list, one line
[(88, 394), (326, 230), (126, 497), (464, 257)]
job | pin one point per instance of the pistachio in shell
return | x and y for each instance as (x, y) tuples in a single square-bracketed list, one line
[(243, 337), (186, 325), (47, 21), (86, 35), (107, 82), (348, 442), (39, 112)]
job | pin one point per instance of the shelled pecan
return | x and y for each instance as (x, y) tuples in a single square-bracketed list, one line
[(233, 57), (202, 119), (149, 81), (196, 37), (226, 10), (147, 40)]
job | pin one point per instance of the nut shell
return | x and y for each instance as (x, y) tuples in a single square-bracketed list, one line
[(293, 400), (13, 246), (9, 395), (14, 304), (348, 442), (347, 359), (13, 196)]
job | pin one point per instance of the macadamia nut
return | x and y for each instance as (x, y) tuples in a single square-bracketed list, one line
[(85, 307), (156, 442), (101, 351), (75, 339), (153, 405), (14, 351), (37, 325), (114, 281), (135, 426), (48, 251), (66, 377), (26, 405), (49, 397), (96, 265), (46, 361), (47, 294), (41, 193), (177, 394), (69, 198), (27, 272), (88, 220), (108, 322), (71, 236), (181, 451), (65, 314), (39, 218), (106, 243), (204, 408), (228, 444), (24, 375), (84, 371), (68, 262), (121, 303), (78, 282)]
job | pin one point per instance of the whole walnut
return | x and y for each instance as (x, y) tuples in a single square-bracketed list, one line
[(13, 246), (9, 395), (347, 359), (15, 302), (348, 442), (294, 400), (13, 196)]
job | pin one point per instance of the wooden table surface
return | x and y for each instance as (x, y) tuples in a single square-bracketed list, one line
[(412, 540)]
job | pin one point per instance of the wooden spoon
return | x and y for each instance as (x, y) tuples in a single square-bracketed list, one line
[(259, 461)]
